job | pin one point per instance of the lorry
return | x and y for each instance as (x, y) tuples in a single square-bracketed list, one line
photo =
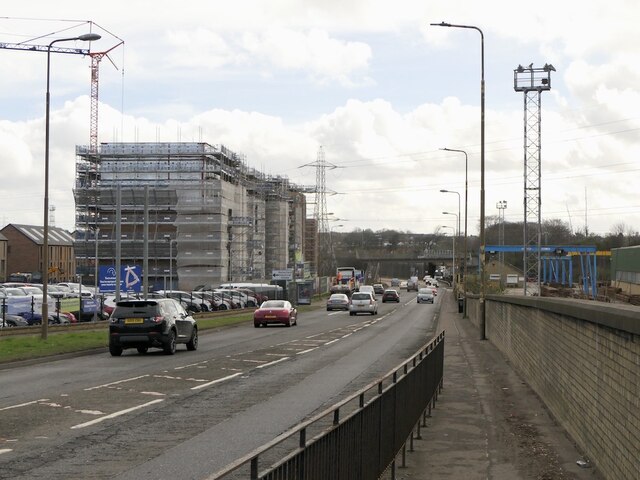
[(346, 281)]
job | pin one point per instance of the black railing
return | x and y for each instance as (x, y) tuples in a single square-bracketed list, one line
[(362, 444)]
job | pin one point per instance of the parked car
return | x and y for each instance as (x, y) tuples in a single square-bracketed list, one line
[(390, 295), (338, 301), (188, 302), (378, 288), (275, 311), (425, 295), (13, 321), (156, 323), (363, 302)]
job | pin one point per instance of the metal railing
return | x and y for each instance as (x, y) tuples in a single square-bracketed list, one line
[(361, 444)]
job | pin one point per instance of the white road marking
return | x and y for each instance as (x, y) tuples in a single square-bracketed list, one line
[(274, 362), (276, 354), (157, 394), (23, 404), (306, 351), (90, 412), (198, 364), (116, 414), (347, 335), (332, 341), (5, 450), (115, 383), (229, 377)]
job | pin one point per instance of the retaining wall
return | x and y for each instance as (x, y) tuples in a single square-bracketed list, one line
[(583, 359)]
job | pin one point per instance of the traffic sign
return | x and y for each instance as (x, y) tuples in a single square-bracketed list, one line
[(286, 274)]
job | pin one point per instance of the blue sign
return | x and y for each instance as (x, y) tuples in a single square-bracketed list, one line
[(130, 279)]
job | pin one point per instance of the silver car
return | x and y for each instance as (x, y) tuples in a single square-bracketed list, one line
[(425, 295), (364, 302)]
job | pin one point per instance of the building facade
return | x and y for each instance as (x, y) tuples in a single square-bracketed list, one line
[(24, 252), (206, 216)]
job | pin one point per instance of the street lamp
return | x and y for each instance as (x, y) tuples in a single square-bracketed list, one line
[(482, 238), (457, 193), (466, 209), (458, 233), (453, 255), (87, 37)]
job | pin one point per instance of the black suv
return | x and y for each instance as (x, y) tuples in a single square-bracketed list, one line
[(158, 322)]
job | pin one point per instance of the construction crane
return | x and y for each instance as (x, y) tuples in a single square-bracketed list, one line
[(96, 57)]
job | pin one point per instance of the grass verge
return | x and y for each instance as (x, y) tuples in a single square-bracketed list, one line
[(28, 346)]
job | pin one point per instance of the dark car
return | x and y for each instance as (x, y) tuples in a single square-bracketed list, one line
[(390, 296), (378, 288), (338, 301), (275, 311), (158, 323)]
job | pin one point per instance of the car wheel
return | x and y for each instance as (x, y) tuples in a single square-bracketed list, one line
[(170, 344), (257, 325), (115, 351), (143, 350), (193, 343), (222, 307), (289, 322)]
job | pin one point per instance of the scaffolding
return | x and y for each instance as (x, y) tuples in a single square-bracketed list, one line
[(211, 218)]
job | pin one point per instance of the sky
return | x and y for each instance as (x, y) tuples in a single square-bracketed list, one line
[(371, 82)]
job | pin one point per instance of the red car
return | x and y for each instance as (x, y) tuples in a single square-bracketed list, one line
[(275, 311)]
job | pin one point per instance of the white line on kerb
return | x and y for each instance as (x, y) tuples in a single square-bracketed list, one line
[(228, 377), (274, 362), (115, 383), (116, 414)]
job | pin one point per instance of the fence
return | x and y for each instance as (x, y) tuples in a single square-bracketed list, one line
[(362, 444)]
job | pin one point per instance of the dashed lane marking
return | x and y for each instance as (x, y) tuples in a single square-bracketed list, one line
[(219, 380)]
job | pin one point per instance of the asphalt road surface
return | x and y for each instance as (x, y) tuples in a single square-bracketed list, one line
[(185, 416)]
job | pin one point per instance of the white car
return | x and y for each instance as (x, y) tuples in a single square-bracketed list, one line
[(425, 295), (367, 289), (363, 302)]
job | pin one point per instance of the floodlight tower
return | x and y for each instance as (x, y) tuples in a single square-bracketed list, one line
[(532, 81)]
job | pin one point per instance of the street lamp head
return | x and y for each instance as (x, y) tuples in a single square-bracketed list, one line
[(89, 37), (443, 191), (441, 24)]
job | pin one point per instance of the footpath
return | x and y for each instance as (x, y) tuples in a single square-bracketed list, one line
[(487, 422)]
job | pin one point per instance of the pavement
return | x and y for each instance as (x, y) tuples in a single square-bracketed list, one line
[(487, 423)]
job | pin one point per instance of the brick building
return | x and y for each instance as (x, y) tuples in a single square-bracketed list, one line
[(24, 252), (3, 258)]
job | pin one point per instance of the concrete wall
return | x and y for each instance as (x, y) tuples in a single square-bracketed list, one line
[(583, 359)]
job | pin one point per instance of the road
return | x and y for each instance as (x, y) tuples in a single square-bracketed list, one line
[(155, 416)]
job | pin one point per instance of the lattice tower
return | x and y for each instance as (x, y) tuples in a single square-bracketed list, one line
[(532, 81)]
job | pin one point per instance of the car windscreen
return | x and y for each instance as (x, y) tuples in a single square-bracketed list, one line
[(424, 290), (136, 308), (361, 296), (273, 304)]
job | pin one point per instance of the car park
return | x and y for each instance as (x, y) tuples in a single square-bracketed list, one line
[(425, 295), (338, 301), (155, 323), (275, 311), (390, 295), (378, 288), (363, 302)]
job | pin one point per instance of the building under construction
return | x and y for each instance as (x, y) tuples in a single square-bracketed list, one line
[(210, 219)]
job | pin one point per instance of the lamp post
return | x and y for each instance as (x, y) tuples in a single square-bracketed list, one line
[(458, 232), (466, 209), (501, 206), (87, 37), (95, 286), (482, 237), (453, 255)]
